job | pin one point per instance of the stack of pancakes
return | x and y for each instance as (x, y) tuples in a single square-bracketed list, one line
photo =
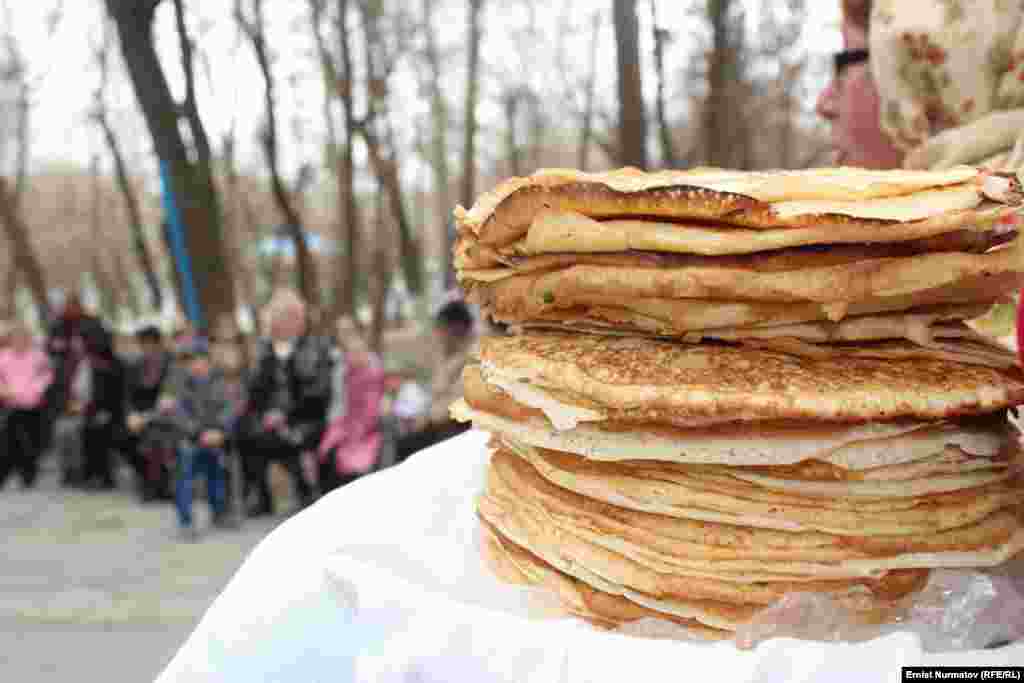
[(730, 386)]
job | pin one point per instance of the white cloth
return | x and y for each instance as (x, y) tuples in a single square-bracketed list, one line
[(382, 582)]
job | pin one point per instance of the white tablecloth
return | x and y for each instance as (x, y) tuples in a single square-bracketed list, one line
[(383, 581)]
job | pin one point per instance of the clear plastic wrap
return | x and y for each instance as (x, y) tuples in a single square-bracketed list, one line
[(956, 610)]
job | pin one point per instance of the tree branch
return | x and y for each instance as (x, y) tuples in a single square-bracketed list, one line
[(189, 107), (255, 30)]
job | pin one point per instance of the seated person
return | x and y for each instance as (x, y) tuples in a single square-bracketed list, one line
[(25, 374), (353, 440), (147, 443), (287, 398), (453, 327), (98, 395), (198, 404)]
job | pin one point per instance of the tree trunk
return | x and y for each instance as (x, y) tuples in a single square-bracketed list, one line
[(726, 131), (512, 156), (9, 303), (23, 137), (21, 246), (254, 28), (390, 181), (587, 125), (131, 203), (439, 145), (346, 178), (338, 84), (109, 294), (381, 266), (333, 157), (669, 157), (239, 215), (191, 181), (386, 166), (632, 143), (468, 195), (124, 283)]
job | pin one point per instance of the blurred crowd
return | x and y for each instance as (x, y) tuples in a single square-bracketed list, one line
[(183, 407)]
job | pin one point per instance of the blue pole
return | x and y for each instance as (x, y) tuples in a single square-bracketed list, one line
[(179, 252)]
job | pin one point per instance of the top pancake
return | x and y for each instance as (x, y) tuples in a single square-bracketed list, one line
[(750, 199), (723, 383)]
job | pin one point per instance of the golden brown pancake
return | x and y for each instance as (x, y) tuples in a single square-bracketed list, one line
[(726, 548), (503, 215), (834, 421), (564, 234), (651, 558), (827, 277), (663, 382), (607, 609), (685, 491)]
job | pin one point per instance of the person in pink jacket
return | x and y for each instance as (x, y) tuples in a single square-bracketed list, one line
[(352, 441), (25, 374)]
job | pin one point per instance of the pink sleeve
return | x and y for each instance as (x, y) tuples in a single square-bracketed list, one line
[(366, 404), (41, 379), (28, 384), (361, 412)]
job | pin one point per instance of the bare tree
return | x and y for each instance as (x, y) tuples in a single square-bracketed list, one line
[(632, 142), (21, 246), (513, 156), (536, 116), (14, 84), (8, 304), (128, 193), (250, 18), (239, 214), (779, 35), (338, 75), (381, 267), (110, 296), (378, 133), (579, 94), (190, 170), (587, 123), (662, 37), (439, 141), (125, 286), (726, 135), (468, 195)]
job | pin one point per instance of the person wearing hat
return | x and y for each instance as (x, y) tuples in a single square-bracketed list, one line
[(198, 404), (453, 329), (928, 84)]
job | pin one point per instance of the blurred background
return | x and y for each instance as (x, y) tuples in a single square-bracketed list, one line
[(176, 170), (324, 143)]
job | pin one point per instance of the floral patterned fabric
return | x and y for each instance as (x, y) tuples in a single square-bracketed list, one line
[(944, 69)]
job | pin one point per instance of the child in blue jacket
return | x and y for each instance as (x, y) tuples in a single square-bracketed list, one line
[(199, 405)]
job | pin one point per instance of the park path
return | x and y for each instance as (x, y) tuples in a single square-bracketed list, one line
[(96, 587)]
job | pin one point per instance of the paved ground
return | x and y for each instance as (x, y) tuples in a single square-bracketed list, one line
[(95, 587)]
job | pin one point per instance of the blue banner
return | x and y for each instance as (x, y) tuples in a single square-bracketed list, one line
[(179, 251)]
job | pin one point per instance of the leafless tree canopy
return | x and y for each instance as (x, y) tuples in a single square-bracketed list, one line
[(417, 107)]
